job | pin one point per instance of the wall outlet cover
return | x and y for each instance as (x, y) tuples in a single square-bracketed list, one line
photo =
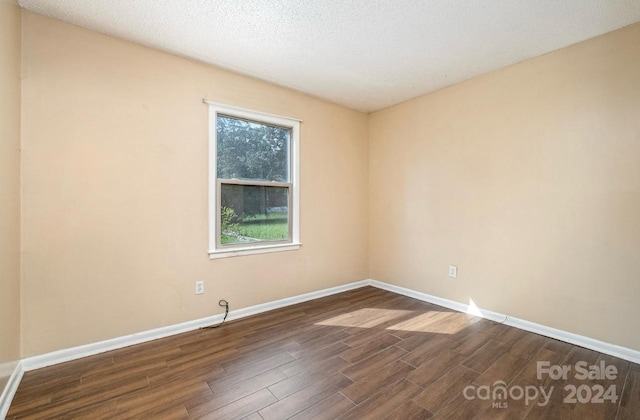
[(199, 287)]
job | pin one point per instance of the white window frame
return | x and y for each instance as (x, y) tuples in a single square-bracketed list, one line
[(216, 250)]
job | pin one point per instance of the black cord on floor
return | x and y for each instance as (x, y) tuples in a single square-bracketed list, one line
[(224, 303)]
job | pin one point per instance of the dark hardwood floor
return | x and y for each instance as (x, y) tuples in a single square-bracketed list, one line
[(363, 354)]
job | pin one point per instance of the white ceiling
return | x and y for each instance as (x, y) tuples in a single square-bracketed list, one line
[(364, 54)]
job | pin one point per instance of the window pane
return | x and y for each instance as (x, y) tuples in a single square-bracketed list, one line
[(250, 150), (251, 213)]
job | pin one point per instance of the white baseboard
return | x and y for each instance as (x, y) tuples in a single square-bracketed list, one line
[(65, 355), (11, 387), (579, 340), (73, 353)]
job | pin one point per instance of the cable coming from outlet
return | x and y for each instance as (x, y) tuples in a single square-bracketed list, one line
[(224, 303)]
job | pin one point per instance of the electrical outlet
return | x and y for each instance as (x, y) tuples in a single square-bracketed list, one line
[(199, 287), (453, 271)]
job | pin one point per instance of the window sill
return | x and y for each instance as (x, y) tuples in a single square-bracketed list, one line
[(237, 252)]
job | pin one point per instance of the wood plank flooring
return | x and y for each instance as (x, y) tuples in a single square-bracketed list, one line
[(362, 354)]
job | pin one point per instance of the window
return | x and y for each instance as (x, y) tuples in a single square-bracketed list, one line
[(253, 182)]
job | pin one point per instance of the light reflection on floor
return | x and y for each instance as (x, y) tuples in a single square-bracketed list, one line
[(438, 322)]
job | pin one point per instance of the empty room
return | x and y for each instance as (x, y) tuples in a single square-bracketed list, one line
[(298, 209)]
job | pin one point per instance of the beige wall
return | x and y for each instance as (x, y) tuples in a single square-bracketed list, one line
[(527, 179), (9, 188), (115, 190)]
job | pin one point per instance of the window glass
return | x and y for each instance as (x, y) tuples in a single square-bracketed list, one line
[(251, 150), (252, 213)]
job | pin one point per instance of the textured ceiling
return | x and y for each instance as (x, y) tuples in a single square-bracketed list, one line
[(364, 54)]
